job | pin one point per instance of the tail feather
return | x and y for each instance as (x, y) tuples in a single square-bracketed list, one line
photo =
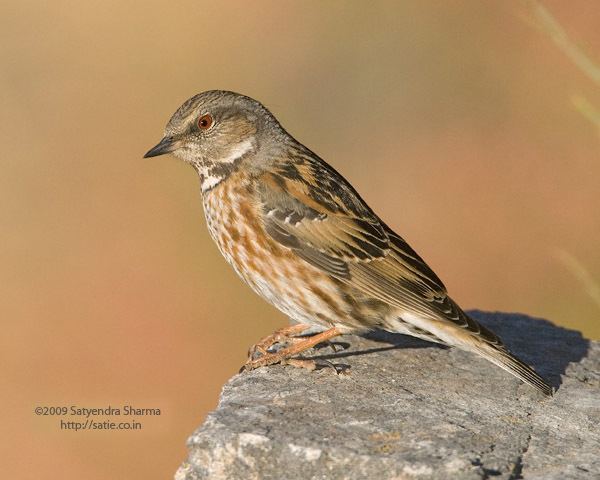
[(468, 335), (487, 344), (510, 363)]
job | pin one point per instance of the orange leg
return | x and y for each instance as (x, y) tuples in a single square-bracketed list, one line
[(278, 336), (295, 349)]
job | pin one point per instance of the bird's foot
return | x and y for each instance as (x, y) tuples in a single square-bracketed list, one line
[(312, 365), (285, 355), (283, 335), (305, 363)]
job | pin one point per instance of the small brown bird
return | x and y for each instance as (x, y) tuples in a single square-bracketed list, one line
[(298, 233)]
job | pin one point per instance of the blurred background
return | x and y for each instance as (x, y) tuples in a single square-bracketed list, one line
[(470, 127)]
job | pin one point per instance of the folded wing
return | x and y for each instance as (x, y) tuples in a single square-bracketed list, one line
[(334, 230)]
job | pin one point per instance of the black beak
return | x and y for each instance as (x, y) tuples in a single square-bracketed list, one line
[(166, 145)]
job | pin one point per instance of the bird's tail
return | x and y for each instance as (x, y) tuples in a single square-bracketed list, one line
[(464, 332), (498, 355)]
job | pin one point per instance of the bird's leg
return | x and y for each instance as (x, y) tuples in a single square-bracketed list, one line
[(278, 336), (295, 349)]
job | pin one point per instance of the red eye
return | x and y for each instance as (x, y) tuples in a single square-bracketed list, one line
[(205, 122)]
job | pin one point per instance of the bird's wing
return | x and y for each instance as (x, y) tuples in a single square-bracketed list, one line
[(312, 210)]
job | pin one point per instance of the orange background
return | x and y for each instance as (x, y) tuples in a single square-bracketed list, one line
[(455, 120)]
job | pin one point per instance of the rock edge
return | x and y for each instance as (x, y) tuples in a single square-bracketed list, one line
[(409, 409)]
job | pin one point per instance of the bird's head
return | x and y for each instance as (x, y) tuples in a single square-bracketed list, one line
[(216, 128)]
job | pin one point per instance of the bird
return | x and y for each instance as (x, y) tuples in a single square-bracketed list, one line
[(299, 234)]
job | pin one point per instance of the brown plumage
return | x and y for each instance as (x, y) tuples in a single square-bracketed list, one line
[(298, 233)]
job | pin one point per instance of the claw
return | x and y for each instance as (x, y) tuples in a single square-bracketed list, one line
[(284, 355), (328, 364)]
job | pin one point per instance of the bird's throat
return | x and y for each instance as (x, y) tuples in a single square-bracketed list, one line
[(212, 173)]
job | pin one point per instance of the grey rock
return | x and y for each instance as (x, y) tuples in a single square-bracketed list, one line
[(409, 409)]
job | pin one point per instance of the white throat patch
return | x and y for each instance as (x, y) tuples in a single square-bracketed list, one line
[(237, 152), (213, 174)]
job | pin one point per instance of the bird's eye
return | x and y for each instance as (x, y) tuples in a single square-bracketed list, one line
[(205, 122)]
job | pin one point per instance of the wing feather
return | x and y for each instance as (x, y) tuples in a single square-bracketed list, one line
[(334, 230)]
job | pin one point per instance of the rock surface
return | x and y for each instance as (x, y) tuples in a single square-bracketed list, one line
[(409, 409)]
